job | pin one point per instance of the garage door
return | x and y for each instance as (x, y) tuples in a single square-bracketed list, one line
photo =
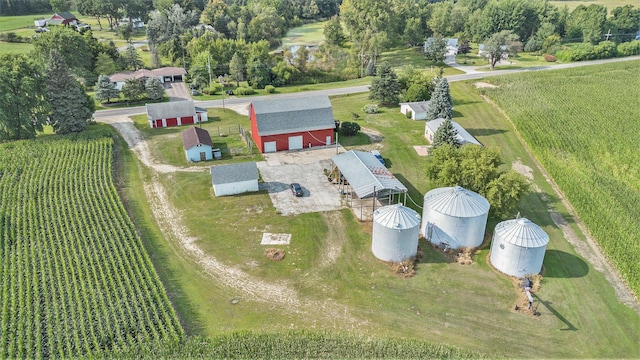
[(270, 146), (295, 142), (172, 122)]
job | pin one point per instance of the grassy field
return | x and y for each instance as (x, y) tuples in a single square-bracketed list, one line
[(76, 280), (469, 306), (609, 4), (590, 151), (309, 34)]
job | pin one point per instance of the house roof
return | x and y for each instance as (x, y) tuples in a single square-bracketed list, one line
[(142, 73), (417, 106), (282, 116), (61, 18), (452, 42), (171, 109), (366, 174), (463, 135), (194, 136), (231, 173)]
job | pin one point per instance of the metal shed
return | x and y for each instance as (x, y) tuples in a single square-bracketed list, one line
[(454, 217), (395, 233), (518, 247), (234, 179)]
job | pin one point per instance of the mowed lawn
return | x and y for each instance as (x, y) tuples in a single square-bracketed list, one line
[(468, 306)]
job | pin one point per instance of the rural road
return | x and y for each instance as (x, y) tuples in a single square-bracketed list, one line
[(357, 89)]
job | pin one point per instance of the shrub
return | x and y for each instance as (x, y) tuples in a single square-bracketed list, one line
[(349, 128), (629, 48), (409, 114), (355, 115), (212, 90), (270, 89), (244, 90), (605, 50), (370, 109), (549, 58)]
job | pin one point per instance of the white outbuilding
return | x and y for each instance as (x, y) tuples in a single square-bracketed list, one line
[(454, 217), (462, 135), (518, 247), (396, 229), (234, 179), (417, 110)]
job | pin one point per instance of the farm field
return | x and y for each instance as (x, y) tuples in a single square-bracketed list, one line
[(76, 280), (582, 126), (609, 4), (444, 303)]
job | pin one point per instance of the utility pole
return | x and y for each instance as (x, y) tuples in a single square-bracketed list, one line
[(608, 34), (209, 67)]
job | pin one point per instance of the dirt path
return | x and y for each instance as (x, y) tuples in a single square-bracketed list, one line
[(588, 249), (335, 237), (170, 223)]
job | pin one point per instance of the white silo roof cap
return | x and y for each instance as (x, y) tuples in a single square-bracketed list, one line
[(456, 201), (397, 217), (522, 232)]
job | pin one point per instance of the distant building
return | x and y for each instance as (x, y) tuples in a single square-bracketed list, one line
[(197, 144), (292, 123), (63, 18), (164, 74), (234, 179), (451, 45), (417, 109), (463, 136), (484, 53)]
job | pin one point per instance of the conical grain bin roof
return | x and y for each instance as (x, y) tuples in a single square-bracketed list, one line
[(456, 201), (397, 217), (522, 232)]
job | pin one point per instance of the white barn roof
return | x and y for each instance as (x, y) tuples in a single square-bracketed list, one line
[(366, 174), (522, 232), (282, 116), (171, 109), (463, 135), (231, 173), (456, 201)]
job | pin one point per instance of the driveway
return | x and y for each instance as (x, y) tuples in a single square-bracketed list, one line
[(176, 91), (305, 167)]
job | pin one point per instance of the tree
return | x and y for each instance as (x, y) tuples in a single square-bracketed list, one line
[(131, 58), (105, 89), (371, 68), (436, 49), (300, 59), (105, 65), (133, 89), (498, 45), (446, 134), (60, 5), (70, 108), (69, 44), (333, 33), (154, 88), (441, 104), (236, 68), (349, 128), (23, 105), (385, 88), (476, 168)]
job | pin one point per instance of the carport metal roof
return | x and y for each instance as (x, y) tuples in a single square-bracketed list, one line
[(367, 175)]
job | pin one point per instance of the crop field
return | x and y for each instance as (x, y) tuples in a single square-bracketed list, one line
[(75, 279), (582, 124)]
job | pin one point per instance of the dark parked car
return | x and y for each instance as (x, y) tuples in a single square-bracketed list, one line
[(296, 189), (229, 92)]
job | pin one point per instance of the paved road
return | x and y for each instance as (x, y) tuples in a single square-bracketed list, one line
[(357, 89)]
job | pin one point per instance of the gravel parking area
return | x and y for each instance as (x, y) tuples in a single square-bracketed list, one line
[(306, 168)]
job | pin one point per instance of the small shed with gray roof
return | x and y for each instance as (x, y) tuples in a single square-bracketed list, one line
[(174, 113), (234, 179), (292, 123), (417, 110)]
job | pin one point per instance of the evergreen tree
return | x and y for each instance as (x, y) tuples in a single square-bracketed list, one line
[(236, 68), (446, 134), (441, 105), (131, 59), (154, 88), (105, 64), (371, 69), (105, 89), (70, 108), (385, 87), (133, 89)]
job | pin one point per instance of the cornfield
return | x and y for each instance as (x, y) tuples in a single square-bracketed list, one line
[(583, 125), (75, 279)]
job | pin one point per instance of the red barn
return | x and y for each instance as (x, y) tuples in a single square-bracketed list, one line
[(63, 18), (291, 123), (174, 113)]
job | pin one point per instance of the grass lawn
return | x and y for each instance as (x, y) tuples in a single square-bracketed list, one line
[(400, 59), (468, 306), (309, 34), (609, 4), (21, 48), (12, 23)]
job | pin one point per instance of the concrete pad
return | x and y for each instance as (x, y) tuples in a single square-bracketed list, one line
[(422, 150), (275, 239)]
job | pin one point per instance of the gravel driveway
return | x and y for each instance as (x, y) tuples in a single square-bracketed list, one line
[(306, 168)]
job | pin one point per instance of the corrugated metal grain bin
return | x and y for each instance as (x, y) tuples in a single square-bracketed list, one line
[(518, 247), (395, 233)]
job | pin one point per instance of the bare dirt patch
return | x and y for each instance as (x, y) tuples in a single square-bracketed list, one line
[(374, 135), (481, 84), (422, 150), (274, 254)]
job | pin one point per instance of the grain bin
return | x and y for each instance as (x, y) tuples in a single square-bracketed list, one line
[(518, 247), (454, 217), (395, 233)]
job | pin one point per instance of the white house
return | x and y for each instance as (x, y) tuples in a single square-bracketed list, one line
[(451, 45), (197, 144), (418, 109), (484, 53), (463, 135), (234, 179), (164, 74)]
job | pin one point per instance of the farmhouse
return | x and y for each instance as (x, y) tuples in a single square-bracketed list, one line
[(164, 74), (291, 124), (234, 179), (62, 18), (174, 113), (451, 45), (197, 144), (417, 110), (463, 135)]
